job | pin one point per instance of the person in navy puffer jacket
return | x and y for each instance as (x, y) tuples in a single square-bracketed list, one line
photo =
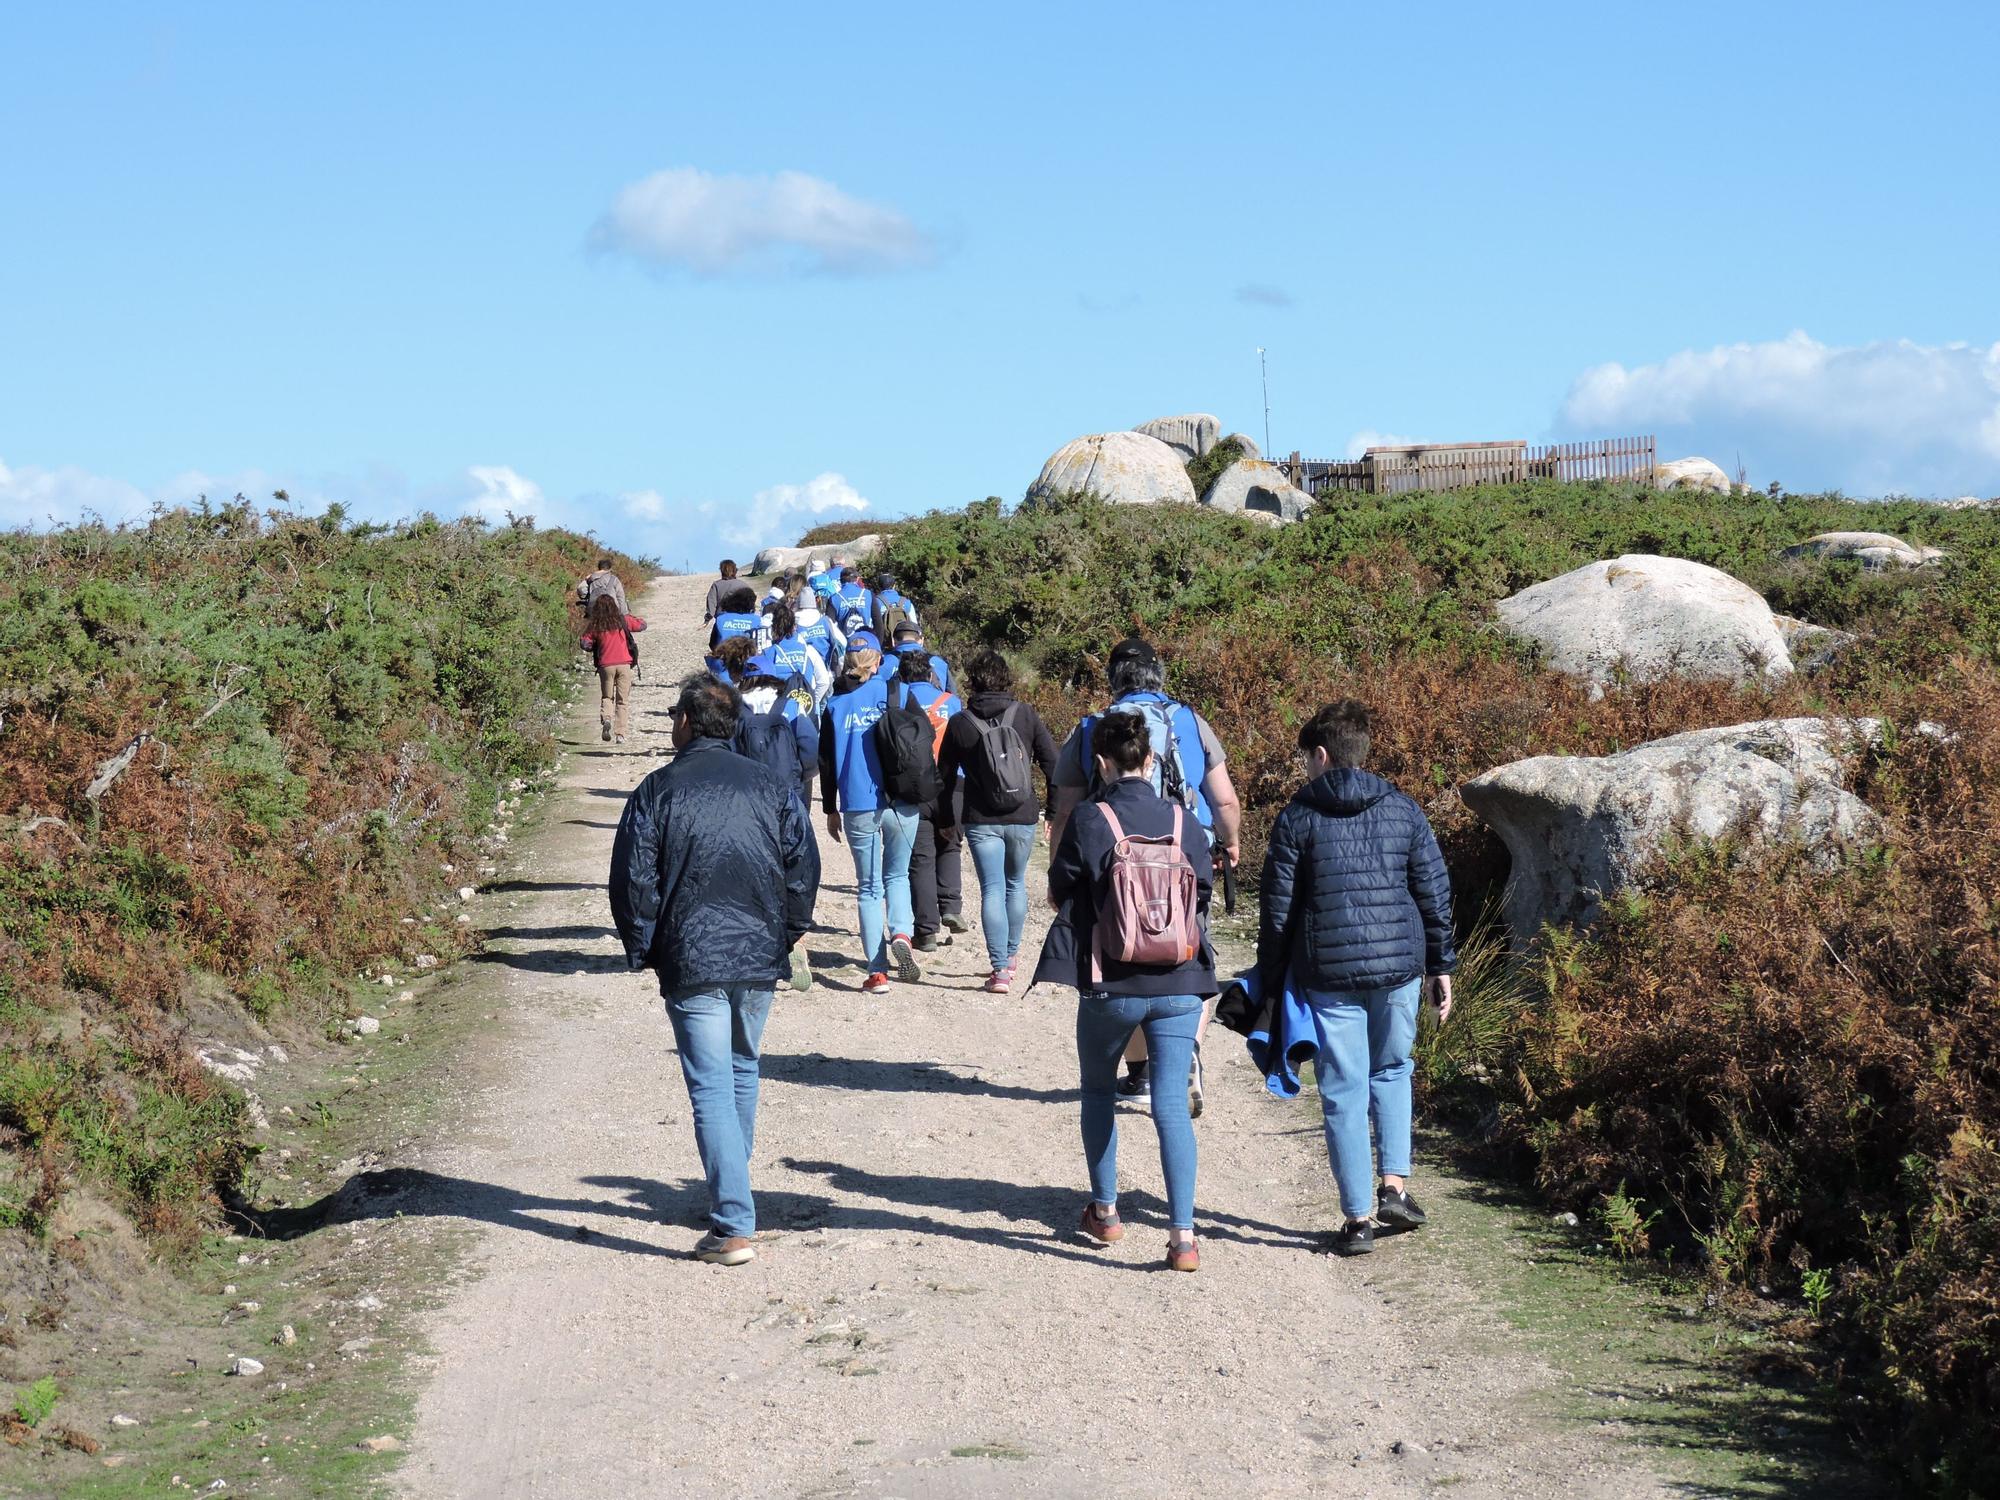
[(1356, 907)]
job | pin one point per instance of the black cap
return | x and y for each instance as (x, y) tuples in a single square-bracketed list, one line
[(1133, 649)]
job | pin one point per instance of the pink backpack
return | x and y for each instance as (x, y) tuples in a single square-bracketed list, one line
[(1148, 914)]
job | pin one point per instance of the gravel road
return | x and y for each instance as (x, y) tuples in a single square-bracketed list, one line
[(922, 1318)]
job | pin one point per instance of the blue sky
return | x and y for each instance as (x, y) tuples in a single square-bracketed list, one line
[(684, 274)]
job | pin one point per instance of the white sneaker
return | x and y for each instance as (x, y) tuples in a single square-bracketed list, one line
[(724, 1250)]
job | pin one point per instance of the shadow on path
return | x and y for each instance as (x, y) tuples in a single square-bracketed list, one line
[(879, 1074)]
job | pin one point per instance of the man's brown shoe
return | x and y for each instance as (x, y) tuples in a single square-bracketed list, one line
[(719, 1251)]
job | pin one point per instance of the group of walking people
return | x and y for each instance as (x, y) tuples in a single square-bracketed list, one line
[(715, 873)]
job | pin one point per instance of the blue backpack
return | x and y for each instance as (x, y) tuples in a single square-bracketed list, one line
[(1170, 773)]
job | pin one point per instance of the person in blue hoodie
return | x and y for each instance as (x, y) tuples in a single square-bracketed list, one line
[(738, 616), (852, 604), (892, 609), (909, 641), (878, 832), (1356, 911), (787, 656)]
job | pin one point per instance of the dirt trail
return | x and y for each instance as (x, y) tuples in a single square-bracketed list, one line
[(922, 1319)]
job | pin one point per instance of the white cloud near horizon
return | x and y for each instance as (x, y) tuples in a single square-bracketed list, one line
[(773, 516), (1892, 416), (1368, 438), (713, 224)]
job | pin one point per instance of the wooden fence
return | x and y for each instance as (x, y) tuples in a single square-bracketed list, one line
[(1453, 466)]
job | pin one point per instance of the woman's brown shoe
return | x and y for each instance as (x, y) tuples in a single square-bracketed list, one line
[(1183, 1257), (1104, 1228)]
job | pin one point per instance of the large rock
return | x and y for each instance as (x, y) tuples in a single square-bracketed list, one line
[(1126, 468), (1248, 444), (1813, 647), (786, 559), (1256, 487), (1696, 473), (1581, 827), (1193, 434), (1874, 550), (1649, 617)]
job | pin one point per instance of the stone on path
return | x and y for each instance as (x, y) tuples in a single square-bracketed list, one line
[(244, 1365), (1579, 828), (1258, 488), (1649, 617), (1192, 434), (1125, 468)]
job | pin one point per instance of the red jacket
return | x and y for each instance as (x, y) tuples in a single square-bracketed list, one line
[(616, 652)]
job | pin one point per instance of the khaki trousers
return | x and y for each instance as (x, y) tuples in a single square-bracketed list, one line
[(614, 689)]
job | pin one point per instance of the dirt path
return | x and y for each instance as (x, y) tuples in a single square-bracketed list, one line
[(922, 1319)]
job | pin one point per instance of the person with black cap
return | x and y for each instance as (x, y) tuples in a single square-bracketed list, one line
[(1190, 767), (892, 610)]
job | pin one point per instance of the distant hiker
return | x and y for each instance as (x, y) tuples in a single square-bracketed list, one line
[(851, 604), (874, 808), (614, 652), (602, 581), (713, 877), (1129, 879), (717, 590), (787, 656), (817, 631), (995, 746), (909, 641), (937, 888), (822, 584), (1356, 909), (777, 727), (891, 610), (730, 662), (1188, 768), (738, 615)]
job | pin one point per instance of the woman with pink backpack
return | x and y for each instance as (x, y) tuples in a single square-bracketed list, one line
[(1130, 880)]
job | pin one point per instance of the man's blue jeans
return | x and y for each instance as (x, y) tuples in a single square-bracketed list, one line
[(1363, 1070), (1104, 1023), (718, 1033), (880, 841), (1000, 853)]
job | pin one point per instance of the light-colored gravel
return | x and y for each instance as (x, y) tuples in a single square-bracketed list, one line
[(919, 1288)]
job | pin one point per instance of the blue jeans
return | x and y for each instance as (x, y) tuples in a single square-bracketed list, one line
[(880, 841), (1000, 854), (1104, 1023), (718, 1032), (1363, 1069)]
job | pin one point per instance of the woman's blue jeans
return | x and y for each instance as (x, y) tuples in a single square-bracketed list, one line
[(1000, 853), (1363, 1070), (718, 1032), (1104, 1023), (880, 841)]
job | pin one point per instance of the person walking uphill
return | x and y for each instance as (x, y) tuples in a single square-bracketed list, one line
[(996, 744), (714, 873), (1130, 879), (615, 653), (1356, 915)]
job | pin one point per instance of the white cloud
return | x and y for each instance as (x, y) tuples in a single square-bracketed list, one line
[(714, 224), (33, 497), (1892, 416), (1368, 438), (644, 505), (773, 517), (501, 491)]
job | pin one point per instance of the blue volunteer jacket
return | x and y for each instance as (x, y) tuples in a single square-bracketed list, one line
[(939, 666), (728, 626), (850, 599), (1286, 1041), (820, 635), (850, 770)]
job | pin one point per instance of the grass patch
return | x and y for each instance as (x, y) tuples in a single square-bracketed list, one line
[(1005, 1452)]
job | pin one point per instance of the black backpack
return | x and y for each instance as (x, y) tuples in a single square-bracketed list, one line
[(905, 743), (1001, 764)]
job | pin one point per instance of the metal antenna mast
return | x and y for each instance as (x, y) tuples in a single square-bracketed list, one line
[(1265, 375)]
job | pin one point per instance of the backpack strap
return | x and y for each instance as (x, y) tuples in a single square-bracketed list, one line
[(1117, 828)]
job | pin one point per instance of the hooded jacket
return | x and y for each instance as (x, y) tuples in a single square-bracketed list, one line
[(1355, 894), (1079, 872), (960, 756), (714, 872)]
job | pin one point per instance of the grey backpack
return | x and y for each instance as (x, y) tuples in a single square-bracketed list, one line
[(1002, 763)]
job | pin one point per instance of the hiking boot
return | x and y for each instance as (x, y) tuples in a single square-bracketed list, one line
[(1396, 1209), (1194, 1087), (875, 984), (930, 942), (906, 963), (1101, 1226), (999, 982), (724, 1250), (956, 923), (607, 732), (1356, 1237), (1136, 1087), (802, 969), (1182, 1255)]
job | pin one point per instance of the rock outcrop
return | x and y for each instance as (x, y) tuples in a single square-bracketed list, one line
[(1696, 473), (786, 559), (1875, 550), (1246, 443), (1192, 433), (1581, 827), (1649, 617), (1813, 647), (1256, 487), (1126, 468)]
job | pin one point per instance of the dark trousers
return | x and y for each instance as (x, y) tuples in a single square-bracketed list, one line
[(937, 883)]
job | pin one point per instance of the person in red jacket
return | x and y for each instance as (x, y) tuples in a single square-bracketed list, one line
[(612, 647)]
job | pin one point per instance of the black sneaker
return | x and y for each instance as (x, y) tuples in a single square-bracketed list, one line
[(1355, 1237), (1136, 1086), (1398, 1210), (926, 942), (956, 923)]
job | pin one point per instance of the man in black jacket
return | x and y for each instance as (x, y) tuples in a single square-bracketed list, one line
[(1356, 916), (713, 877)]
